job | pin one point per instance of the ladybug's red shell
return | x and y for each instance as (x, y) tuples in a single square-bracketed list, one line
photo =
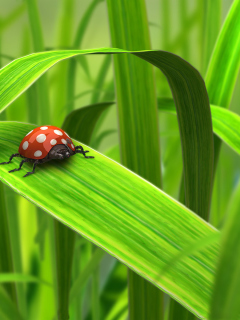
[(38, 142)]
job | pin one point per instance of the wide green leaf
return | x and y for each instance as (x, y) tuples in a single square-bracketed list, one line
[(122, 213)]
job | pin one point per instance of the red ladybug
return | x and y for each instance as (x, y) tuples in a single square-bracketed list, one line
[(43, 144)]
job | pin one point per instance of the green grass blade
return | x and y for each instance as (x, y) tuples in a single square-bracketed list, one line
[(92, 201), (20, 277), (225, 61), (226, 123), (65, 32), (138, 125), (81, 30), (7, 308), (99, 83), (112, 292), (211, 25), (86, 273), (38, 44), (191, 101), (120, 307), (6, 259), (64, 242), (12, 17), (226, 295), (95, 144), (224, 65), (80, 123)]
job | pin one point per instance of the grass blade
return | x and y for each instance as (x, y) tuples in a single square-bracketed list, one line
[(86, 273), (138, 136), (38, 44), (83, 24), (211, 24), (93, 202), (7, 308), (20, 277), (80, 123), (226, 295), (224, 65), (226, 123), (188, 91), (6, 259), (64, 242)]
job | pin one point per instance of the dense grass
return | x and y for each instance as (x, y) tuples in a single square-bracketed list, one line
[(47, 270)]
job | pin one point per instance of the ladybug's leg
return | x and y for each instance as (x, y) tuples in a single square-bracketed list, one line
[(34, 167), (82, 151), (22, 162), (12, 156)]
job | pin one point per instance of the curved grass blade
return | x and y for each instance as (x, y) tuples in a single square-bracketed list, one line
[(226, 123), (96, 197), (20, 277), (80, 123), (190, 95), (226, 295)]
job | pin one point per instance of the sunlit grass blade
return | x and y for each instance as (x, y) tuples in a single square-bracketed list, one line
[(115, 285), (138, 126), (92, 201), (120, 307), (190, 99), (226, 296), (225, 61), (211, 25), (224, 65)]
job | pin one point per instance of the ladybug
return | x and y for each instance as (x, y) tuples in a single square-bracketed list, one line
[(43, 144)]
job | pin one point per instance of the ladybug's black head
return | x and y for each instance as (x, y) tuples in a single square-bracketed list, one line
[(60, 151)]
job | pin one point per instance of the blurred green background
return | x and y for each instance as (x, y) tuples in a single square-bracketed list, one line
[(187, 28)]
